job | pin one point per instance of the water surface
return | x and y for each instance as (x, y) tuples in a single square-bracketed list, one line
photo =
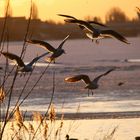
[(83, 57)]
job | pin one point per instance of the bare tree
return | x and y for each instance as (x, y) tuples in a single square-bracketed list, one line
[(115, 15), (138, 13), (34, 11), (88, 18), (96, 18)]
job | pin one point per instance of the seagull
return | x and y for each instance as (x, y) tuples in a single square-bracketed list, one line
[(90, 85), (93, 32), (120, 83), (55, 52), (21, 65)]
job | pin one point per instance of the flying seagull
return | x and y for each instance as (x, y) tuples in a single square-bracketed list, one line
[(55, 52), (90, 85), (21, 65), (120, 83), (93, 32)]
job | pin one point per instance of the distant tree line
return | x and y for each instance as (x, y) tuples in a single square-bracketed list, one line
[(49, 29)]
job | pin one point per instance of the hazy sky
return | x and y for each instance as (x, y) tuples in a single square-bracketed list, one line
[(47, 9)]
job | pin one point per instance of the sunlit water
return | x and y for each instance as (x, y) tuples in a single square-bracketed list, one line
[(82, 57)]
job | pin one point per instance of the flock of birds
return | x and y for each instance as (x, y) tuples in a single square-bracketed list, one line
[(91, 29)]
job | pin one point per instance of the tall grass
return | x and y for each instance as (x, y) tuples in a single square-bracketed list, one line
[(8, 114)]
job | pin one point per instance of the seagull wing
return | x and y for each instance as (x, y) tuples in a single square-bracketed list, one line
[(67, 16), (43, 44), (96, 79), (71, 17), (62, 43), (114, 34), (83, 24), (77, 78), (37, 58), (14, 57)]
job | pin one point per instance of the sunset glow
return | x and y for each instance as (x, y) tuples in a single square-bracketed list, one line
[(47, 9)]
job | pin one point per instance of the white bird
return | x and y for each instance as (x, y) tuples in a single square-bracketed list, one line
[(55, 52), (90, 85), (93, 32), (21, 66)]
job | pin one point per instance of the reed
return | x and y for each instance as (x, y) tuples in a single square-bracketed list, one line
[(8, 114), (2, 95), (52, 113)]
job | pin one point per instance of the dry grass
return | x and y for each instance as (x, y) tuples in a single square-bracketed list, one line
[(110, 136), (48, 130), (37, 117), (20, 130), (2, 95), (52, 113)]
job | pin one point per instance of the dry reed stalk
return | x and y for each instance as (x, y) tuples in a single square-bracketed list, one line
[(12, 127), (73, 125), (62, 121), (2, 95), (45, 129), (4, 25), (18, 116), (27, 32), (19, 119), (22, 55), (37, 117), (31, 128), (52, 113), (13, 132), (53, 91), (58, 131), (111, 135), (61, 124), (17, 103), (7, 117), (31, 90)]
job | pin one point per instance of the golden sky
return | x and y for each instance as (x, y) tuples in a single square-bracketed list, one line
[(47, 9)]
